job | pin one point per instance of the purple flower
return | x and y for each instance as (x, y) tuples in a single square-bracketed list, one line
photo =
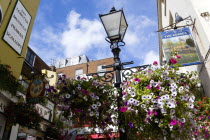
[(173, 122), (157, 87), (149, 87), (209, 117), (136, 79), (85, 92), (130, 125), (124, 93), (149, 113), (123, 109)]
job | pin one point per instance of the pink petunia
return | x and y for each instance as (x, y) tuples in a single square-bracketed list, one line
[(178, 56), (136, 79), (155, 63), (172, 61), (149, 87), (123, 109), (173, 122)]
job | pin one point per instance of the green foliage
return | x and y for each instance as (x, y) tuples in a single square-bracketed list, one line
[(23, 114), (7, 81)]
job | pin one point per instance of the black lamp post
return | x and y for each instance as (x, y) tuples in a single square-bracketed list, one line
[(115, 25)]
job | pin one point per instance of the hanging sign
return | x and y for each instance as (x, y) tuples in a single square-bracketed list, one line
[(35, 90), (181, 41), (17, 28)]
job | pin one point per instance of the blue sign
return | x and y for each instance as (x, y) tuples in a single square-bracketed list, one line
[(180, 40)]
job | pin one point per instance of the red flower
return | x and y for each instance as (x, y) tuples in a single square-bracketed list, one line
[(155, 63), (177, 56), (172, 61)]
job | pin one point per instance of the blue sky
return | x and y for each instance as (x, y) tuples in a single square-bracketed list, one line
[(68, 28)]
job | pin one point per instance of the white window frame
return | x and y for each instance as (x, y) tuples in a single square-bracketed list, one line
[(99, 69), (78, 74)]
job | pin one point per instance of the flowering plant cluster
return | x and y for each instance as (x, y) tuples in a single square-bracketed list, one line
[(162, 103), (23, 114), (85, 102), (8, 82)]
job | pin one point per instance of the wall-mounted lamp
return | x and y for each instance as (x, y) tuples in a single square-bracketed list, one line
[(206, 15), (178, 18)]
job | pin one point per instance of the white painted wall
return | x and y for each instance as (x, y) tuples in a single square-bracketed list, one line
[(201, 32)]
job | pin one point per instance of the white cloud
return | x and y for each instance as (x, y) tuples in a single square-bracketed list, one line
[(150, 57), (82, 35)]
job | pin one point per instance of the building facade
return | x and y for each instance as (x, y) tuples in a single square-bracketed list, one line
[(17, 19), (85, 67), (16, 22), (199, 12)]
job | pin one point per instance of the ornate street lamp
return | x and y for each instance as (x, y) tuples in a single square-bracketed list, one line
[(115, 25)]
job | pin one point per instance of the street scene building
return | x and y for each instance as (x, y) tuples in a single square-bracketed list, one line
[(197, 14), (16, 22), (81, 65)]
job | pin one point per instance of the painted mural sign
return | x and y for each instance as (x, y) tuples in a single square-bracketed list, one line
[(35, 90), (17, 28), (180, 40)]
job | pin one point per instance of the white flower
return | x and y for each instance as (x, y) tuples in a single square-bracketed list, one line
[(154, 100), (156, 120), (92, 95), (190, 105), (133, 94), (91, 113), (171, 105), (94, 106), (152, 81), (143, 97), (73, 91), (155, 84), (143, 106), (181, 89), (167, 96), (98, 104), (68, 96), (172, 111), (182, 98), (163, 110), (136, 82), (151, 94), (130, 101), (183, 120), (85, 98), (97, 98), (79, 88), (97, 113), (174, 94)]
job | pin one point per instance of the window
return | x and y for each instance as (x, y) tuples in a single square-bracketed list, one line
[(30, 57), (78, 72), (1, 15), (99, 69), (171, 20)]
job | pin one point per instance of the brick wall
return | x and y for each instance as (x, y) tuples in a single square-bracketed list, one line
[(69, 71)]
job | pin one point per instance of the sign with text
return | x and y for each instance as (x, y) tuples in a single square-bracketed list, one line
[(17, 28), (180, 40)]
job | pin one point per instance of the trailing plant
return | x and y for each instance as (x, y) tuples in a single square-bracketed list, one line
[(85, 102), (23, 114), (8, 82)]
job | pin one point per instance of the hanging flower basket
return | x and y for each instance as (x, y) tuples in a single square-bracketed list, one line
[(23, 114)]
